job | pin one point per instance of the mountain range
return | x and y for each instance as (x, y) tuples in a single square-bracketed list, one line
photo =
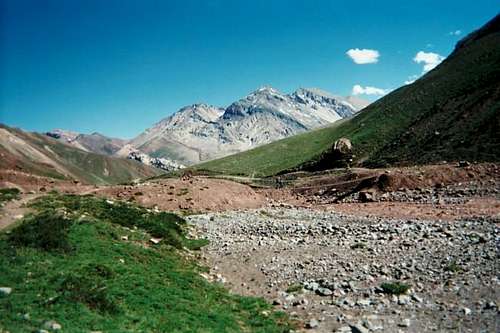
[(201, 132)]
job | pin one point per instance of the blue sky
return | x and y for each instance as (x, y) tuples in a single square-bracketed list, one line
[(118, 66)]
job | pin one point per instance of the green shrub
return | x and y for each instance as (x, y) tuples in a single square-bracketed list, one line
[(358, 245), (47, 231), (8, 194), (294, 288), (453, 267), (88, 286), (394, 288)]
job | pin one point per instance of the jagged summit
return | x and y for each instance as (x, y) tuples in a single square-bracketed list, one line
[(200, 131)]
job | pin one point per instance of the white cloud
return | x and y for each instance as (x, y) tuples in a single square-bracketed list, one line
[(359, 90), (363, 56), (455, 33), (429, 59), (411, 79)]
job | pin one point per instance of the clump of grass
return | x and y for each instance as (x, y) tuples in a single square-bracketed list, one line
[(294, 288), (395, 288), (88, 285), (358, 245), (453, 267), (8, 194), (46, 231), (266, 213)]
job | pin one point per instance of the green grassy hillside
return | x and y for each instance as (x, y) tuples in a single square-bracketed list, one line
[(451, 113), (88, 265), (41, 155)]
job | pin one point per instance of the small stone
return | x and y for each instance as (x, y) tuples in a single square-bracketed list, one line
[(490, 305), (344, 329), (324, 291), (52, 325), (467, 311), (5, 291), (405, 323), (416, 298), (403, 299), (363, 302), (312, 323), (155, 240), (359, 328), (313, 286)]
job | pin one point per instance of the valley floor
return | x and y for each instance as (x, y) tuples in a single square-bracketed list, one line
[(327, 268), (321, 246)]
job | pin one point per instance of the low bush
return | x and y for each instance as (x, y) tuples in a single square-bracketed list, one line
[(88, 286), (394, 288), (47, 231), (8, 194)]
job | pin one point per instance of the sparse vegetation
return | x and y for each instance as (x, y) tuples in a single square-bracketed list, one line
[(358, 245), (453, 267), (100, 272), (8, 194), (395, 288), (294, 288), (46, 231)]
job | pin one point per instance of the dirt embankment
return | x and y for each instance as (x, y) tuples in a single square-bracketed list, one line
[(189, 195), (447, 192)]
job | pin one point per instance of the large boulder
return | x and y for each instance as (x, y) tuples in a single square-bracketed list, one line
[(341, 153), (342, 146)]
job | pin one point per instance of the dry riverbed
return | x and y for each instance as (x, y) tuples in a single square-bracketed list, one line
[(333, 266)]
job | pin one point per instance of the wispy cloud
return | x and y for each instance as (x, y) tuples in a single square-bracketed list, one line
[(360, 90), (455, 33), (428, 59), (411, 79), (363, 56)]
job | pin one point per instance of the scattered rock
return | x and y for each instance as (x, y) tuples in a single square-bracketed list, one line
[(312, 323), (323, 291), (155, 240), (405, 323), (359, 328), (52, 325), (5, 291)]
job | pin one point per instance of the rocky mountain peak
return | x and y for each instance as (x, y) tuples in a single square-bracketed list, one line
[(200, 131)]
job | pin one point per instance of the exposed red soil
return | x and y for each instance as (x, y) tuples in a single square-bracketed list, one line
[(476, 207), (198, 194), (189, 195)]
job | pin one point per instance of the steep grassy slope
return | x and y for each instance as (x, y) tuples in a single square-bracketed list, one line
[(42, 155), (451, 113), (93, 268)]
